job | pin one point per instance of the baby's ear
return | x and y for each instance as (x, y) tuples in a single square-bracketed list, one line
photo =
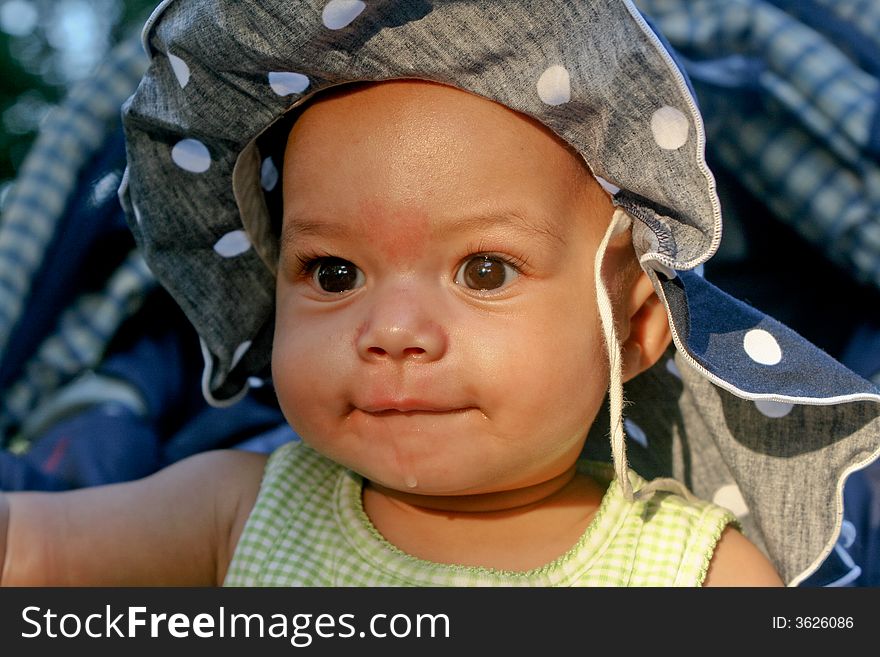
[(644, 333)]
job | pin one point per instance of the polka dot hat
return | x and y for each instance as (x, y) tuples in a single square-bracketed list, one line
[(743, 411)]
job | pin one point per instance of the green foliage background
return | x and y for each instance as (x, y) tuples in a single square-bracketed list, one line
[(35, 75)]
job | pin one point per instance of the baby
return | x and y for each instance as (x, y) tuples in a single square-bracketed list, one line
[(437, 333), (485, 219)]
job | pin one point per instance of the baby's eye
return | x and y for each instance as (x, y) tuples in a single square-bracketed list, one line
[(485, 272), (336, 275)]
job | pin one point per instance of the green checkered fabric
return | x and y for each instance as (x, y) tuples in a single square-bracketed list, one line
[(308, 528)]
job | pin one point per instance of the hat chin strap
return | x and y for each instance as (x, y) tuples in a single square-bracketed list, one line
[(620, 222)]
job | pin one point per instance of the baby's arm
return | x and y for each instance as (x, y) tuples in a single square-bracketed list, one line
[(176, 527), (738, 562)]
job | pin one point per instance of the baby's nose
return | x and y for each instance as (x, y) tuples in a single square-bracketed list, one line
[(400, 327)]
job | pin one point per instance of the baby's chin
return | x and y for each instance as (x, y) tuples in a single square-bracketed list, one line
[(449, 476), (440, 476), (447, 463), (425, 479), (422, 485), (438, 462)]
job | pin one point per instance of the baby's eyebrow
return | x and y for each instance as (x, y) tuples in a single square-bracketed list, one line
[(507, 220), (295, 228), (298, 227)]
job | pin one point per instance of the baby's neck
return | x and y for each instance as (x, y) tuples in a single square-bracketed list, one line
[(515, 530)]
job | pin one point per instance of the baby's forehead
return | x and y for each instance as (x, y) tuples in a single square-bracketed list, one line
[(437, 115), (425, 139)]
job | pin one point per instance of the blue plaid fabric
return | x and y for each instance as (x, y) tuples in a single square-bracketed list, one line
[(84, 330), (791, 97), (71, 135)]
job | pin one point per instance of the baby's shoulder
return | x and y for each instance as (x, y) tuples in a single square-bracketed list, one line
[(738, 562), (236, 463), (229, 473), (236, 477)]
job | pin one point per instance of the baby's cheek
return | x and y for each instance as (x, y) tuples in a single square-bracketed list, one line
[(304, 402), (310, 374), (569, 370), (293, 366)]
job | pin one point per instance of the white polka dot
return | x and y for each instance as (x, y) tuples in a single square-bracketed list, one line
[(339, 13), (180, 68), (635, 432), (239, 353), (730, 498), (672, 368), (256, 382), (191, 155), (285, 83), (773, 409), (268, 175), (233, 244), (554, 86), (670, 128), (847, 534), (762, 347)]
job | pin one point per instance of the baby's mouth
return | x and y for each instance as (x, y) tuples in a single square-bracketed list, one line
[(409, 407), (390, 412)]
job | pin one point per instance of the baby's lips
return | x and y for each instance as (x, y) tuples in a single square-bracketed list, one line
[(407, 405)]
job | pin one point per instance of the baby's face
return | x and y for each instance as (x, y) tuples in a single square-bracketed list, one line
[(437, 328)]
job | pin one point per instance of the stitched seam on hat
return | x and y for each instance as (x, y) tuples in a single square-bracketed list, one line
[(666, 241)]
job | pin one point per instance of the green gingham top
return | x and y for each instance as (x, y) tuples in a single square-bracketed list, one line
[(309, 528)]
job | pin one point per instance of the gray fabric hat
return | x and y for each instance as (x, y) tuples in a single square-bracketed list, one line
[(747, 414)]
